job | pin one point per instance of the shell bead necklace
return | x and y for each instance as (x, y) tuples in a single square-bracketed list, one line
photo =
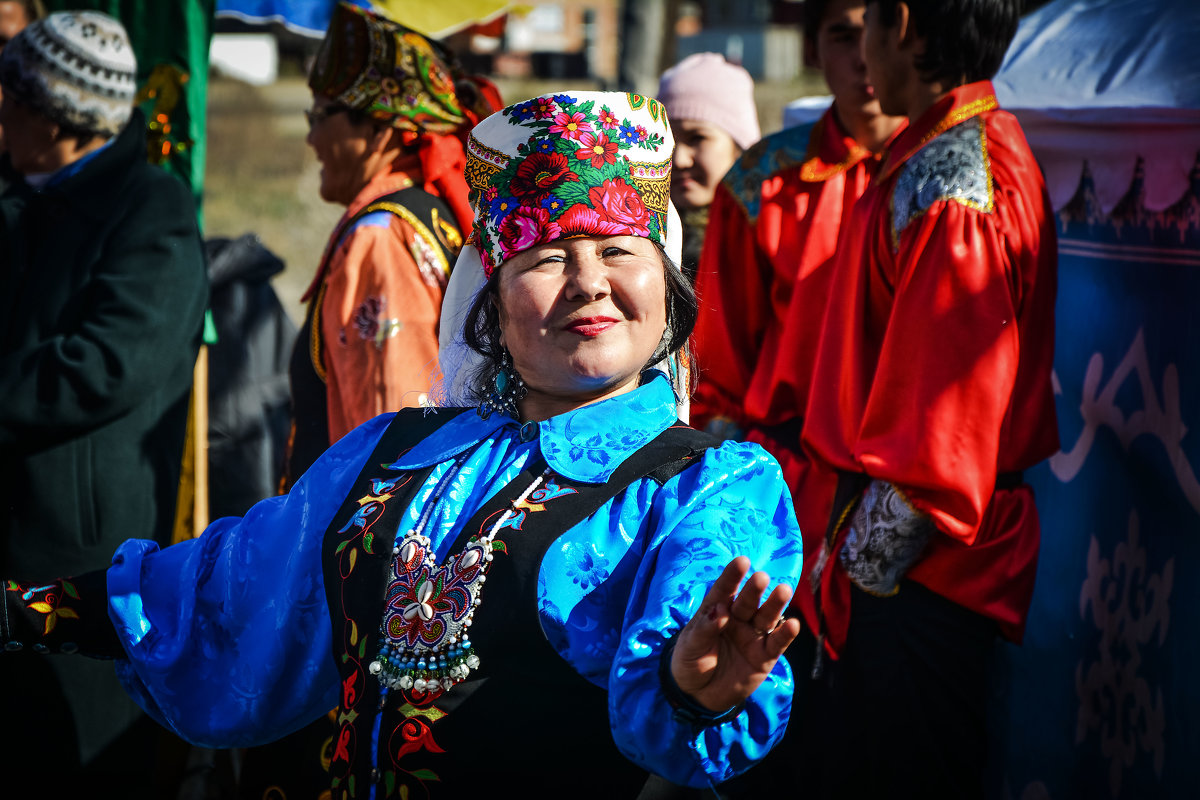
[(428, 609)]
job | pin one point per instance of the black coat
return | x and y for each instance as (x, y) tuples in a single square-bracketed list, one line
[(249, 411), (101, 312)]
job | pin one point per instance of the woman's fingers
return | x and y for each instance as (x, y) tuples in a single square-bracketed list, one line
[(733, 640), (766, 618), (720, 595), (745, 605), (726, 584), (779, 639)]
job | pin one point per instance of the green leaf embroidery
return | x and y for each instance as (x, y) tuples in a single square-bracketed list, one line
[(572, 194), (618, 169), (425, 775), (70, 589), (566, 147)]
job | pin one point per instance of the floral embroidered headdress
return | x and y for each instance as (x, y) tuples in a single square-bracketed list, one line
[(396, 75), (566, 165), (556, 167)]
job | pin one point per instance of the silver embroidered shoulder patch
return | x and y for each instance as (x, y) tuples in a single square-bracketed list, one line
[(768, 156), (953, 166)]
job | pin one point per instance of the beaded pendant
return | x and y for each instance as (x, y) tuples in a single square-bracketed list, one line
[(427, 611)]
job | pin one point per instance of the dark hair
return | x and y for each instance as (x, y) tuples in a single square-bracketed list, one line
[(965, 40), (813, 15), (481, 327)]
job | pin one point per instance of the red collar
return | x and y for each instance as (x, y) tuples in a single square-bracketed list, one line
[(830, 150), (958, 105)]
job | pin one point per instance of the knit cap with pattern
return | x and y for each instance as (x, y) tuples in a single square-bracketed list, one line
[(75, 67)]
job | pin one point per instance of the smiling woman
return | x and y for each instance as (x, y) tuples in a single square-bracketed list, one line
[(549, 588)]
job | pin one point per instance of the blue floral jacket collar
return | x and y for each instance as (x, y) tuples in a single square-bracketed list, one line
[(586, 444)]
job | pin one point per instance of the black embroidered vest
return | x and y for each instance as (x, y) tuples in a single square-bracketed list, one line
[(524, 720)]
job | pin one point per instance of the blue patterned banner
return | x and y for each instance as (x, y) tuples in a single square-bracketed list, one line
[(1102, 701)]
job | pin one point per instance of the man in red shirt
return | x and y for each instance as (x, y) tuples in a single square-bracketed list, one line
[(766, 266), (931, 392)]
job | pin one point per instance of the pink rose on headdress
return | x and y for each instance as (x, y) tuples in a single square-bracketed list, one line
[(526, 227), (571, 126), (619, 202), (579, 220), (538, 174), (485, 254), (642, 133)]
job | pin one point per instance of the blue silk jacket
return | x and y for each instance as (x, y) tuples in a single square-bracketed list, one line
[(229, 639)]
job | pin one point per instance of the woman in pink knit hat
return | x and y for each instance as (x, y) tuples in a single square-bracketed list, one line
[(710, 103)]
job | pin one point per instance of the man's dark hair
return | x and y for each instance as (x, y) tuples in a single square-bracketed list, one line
[(965, 40), (814, 12)]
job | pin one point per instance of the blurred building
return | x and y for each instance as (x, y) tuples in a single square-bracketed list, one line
[(614, 42), (764, 36), (558, 39)]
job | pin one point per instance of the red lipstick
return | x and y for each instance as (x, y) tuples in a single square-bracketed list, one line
[(590, 326)]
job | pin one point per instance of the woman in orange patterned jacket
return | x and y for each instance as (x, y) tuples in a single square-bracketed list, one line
[(387, 125)]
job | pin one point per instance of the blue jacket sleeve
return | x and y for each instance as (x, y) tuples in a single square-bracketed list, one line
[(734, 503), (228, 635)]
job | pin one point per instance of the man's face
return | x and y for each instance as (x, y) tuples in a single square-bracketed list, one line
[(27, 135), (12, 21), (887, 68), (840, 57)]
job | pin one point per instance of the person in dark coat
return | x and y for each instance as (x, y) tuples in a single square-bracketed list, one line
[(249, 413), (101, 310)]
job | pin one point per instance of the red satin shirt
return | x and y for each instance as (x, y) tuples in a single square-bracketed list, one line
[(763, 282), (933, 369)]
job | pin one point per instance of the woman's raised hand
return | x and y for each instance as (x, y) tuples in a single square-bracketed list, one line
[(728, 648)]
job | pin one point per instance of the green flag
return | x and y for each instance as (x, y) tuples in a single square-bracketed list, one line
[(171, 41)]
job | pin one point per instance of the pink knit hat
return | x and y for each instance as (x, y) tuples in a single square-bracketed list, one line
[(706, 87)]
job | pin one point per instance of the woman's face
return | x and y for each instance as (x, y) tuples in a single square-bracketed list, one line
[(348, 150), (581, 317), (703, 154)]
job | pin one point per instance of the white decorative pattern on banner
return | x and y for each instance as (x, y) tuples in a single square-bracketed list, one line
[(1160, 416), (1129, 605)]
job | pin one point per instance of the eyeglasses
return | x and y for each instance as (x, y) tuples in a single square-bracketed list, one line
[(316, 115)]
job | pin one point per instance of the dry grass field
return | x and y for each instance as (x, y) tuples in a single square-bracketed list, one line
[(262, 177)]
